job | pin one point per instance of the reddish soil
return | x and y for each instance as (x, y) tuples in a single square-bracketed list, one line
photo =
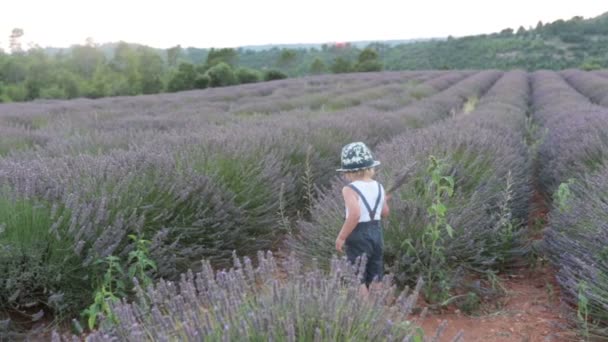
[(530, 311)]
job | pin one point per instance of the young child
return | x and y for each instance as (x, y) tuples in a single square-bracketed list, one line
[(366, 203)]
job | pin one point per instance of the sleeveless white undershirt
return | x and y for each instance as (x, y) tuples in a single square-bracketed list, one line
[(370, 191)]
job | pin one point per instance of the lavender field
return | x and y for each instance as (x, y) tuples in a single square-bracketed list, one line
[(206, 183)]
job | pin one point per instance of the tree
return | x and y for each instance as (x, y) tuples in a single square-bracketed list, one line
[(217, 56), (591, 64), (368, 61), (201, 81), (39, 74), (287, 58), (341, 65), (126, 62), (506, 32), (184, 79), (14, 70), (539, 26), (521, 31), (151, 70), (15, 44), (68, 82), (271, 75), (221, 75), (173, 55), (85, 60), (124, 57), (368, 55), (246, 75), (317, 67), (369, 66)]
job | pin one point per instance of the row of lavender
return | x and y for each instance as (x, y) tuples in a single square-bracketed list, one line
[(248, 303), (96, 127), (269, 310), (200, 194), (46, 123), (306, 304), (573, 172), (486, 152)]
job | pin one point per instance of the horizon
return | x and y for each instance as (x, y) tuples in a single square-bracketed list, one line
[(340, 21)]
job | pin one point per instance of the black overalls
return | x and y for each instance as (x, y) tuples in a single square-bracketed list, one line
[(367, 239)]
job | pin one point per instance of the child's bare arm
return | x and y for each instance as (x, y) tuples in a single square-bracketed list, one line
[(385, 208), (352, 203)]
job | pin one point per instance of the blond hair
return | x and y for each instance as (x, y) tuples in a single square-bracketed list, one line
[(359, 174)]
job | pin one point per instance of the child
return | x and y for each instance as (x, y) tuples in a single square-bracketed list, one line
[(365, 203)]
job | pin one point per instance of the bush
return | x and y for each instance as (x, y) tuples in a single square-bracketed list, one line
[(271, 75), (17, 92), (201, 81), (573, 168), (341, 65), (485, 155), (369, 66), (183, 79), (221, 75), (245, 75), (258, 304), (41, 271), (579, 227)]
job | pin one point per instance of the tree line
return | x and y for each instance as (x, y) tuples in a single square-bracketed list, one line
[(92, 70), (95, 71)]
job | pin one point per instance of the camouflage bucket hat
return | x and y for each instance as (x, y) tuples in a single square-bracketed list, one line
[(357, 156)]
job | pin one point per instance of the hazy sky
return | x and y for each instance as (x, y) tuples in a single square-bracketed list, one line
[(229, 23)]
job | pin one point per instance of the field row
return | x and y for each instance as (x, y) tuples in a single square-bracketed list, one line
[(249, 168)]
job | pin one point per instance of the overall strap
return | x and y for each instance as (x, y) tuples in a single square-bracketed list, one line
[(372, 213), (377, 201)]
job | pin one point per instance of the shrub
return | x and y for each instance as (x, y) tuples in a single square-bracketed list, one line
[(369, 66), (202, 81), (245, 75), (490, 166), (183, 79), (271, 75), (259, 304), (580, 229), (573, 171), (40, 269), (221, 75)]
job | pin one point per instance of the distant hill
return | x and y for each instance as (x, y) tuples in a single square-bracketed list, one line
[(359, 44), (561, 44)]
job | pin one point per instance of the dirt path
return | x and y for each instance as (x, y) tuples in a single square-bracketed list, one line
[(530, 311)]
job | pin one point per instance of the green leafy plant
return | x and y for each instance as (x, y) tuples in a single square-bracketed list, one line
[(139, 261), (112, 287), (563, 195), (439, 186), (113, 284), (504, 223)]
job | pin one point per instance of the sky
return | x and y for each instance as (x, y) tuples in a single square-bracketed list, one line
[(232, 23)]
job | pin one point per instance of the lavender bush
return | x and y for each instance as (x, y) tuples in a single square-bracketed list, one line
[(573, 172), (315, 238), (577, 244), (593, 86), (40, 270), (182, 170), (489, 160), (259, 303), (575, 130)]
